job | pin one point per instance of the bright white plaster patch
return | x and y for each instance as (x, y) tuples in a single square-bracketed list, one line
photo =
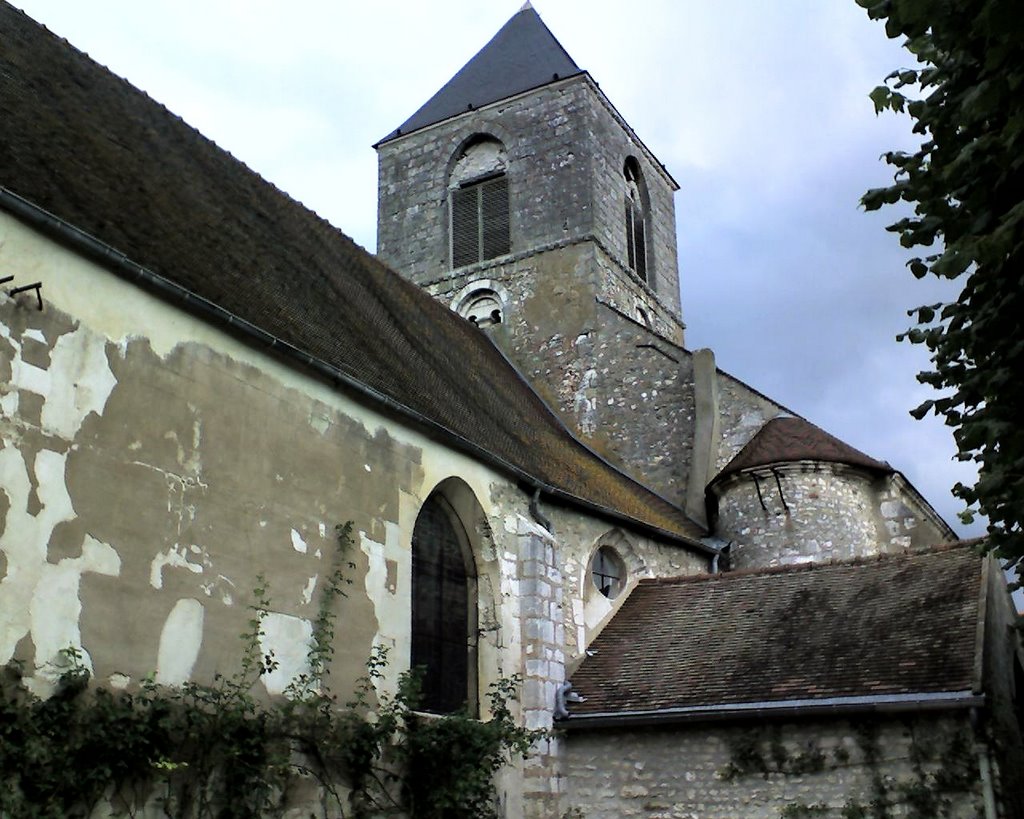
[(322, 528), (176, 556), (288, 639), (390, 607), (35, 335), (298, 544), (307, 592), (39, 598), (180, 641), (55, 606), (119, 681), (82, 384)]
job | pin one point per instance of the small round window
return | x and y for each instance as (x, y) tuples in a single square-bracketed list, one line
[(608, 572)]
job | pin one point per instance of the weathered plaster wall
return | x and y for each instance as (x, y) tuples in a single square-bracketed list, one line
[(662, 773), (152, 465)]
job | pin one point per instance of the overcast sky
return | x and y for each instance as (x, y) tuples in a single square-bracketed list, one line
[(758, 109)]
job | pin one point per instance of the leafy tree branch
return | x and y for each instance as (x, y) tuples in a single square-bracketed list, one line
[(966, 185)]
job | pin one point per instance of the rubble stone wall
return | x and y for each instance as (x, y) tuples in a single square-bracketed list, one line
[(760, 772)]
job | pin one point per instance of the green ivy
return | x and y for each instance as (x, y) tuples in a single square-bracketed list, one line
[(218, 751)]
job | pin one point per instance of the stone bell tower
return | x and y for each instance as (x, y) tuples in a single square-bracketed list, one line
[(518, 196)]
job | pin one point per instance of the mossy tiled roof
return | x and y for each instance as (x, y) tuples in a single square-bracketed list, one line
[(787, 439), (895, 625)]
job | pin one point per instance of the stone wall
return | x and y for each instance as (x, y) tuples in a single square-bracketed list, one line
[(815, 511), (797, 513), (742, 413), (565, 151), (759, 771), (572, 328)]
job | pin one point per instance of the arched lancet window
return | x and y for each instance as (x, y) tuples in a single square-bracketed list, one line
[(478, 188), (636, 219), (443, 609)]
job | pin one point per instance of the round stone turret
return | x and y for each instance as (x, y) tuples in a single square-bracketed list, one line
[(795, 494)]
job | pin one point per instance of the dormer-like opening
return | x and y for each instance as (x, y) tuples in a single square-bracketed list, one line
[(478, 198), (637, 207)]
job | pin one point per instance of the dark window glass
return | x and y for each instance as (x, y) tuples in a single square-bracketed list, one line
[(608, 571), (636, 222), (440, 610)]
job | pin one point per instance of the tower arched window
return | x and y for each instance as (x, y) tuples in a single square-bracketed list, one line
[(443, 609), (478, 188), (636, 219)]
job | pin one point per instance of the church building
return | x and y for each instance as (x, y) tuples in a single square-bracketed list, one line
[(717, 608)]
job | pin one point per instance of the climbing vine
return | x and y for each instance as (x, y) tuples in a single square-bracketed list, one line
[(217, 750)]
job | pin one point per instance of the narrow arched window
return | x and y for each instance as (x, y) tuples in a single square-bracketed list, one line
[(479, 203), (443, 609), (636, 220)]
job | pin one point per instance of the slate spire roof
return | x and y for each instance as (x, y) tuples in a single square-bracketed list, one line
[(889, 626), (522, 56)]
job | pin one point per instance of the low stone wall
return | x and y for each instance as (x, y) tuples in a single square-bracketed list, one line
[(923, 767)]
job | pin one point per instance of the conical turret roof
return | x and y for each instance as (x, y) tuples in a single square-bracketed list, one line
[(522, 56), (787, 439)]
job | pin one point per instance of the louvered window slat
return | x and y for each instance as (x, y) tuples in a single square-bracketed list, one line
[(480, 222), (640, 245), (465, 230), (494, 217)]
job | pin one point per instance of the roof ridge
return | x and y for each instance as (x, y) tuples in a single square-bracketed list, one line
[(855, 562)]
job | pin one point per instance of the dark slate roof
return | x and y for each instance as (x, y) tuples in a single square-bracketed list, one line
[(91, 149), (883, 626), (523, 55), (787, 439)]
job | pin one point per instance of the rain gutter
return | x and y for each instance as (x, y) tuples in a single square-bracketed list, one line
[(119, 263), (779, 709)]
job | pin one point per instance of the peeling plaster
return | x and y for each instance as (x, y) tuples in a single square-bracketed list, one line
[(176, 556), (180, 641), (381, 583), (287, 639), (119, 681), (391, 609), (38, 598), (310, 588)]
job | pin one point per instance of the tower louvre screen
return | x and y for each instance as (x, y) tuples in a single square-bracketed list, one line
[(480, 221)]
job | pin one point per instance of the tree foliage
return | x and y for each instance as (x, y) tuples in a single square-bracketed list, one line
[(966, 185)]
